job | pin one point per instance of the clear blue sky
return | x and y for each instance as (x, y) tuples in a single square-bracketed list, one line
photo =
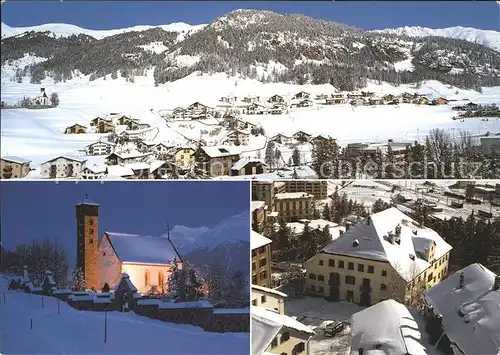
[(35, 210), (365, 15)]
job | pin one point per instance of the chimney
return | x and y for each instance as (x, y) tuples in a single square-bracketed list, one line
[(462, 280), (496, 285)]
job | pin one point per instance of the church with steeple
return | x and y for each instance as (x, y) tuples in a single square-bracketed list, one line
[(147, 260)]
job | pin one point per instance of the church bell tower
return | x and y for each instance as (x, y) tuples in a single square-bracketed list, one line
[(87, 248)]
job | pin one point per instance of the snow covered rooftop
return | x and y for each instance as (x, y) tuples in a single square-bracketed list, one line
[(133, 248), (67, 157), (97, 168), (281, 319), (221, 151), (88, 202), (14, 159), (269, 290), (396, 332), (373, 242), (120, 170), (130, 154), (479, 304), (257, 205), (257, 240), (240, 164), (292, 195), (263, 332)]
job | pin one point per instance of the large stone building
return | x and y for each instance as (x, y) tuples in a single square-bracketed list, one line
[(147, 260), (386, 255), (317, 188), (266, 190), (293, 206), (62, 167), (261, 259)]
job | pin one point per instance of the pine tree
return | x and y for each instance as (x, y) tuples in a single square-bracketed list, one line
[(54, 99), (194, 291), (269, 156), (326, 214), (78, 283), (176, 283), (296, 156), (236, 294)]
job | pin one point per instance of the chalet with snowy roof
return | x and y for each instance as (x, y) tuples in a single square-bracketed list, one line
[(301, 136), (386, 255), (179, 113), (388, 98), (14, 167), (238, 137), (105, 127), (357, 102), (398, 330), (255, 109), (248, 166), (63, 166), (42, 99), (367, 94), (251, 99), (276, 109), (355, 95), (305, 103), (198, 111), (121, 171), (335, 100), (301, 96), (228, 99), (126, 157), (147, 260), (319, 139), (75, 129), (93, 172), (123, 120), (216, 160), (261, 259), (96, 121), (100, 148), (245, 125), (276, 99), (276, 333), (282, 139), (440, 101), (463, 314)]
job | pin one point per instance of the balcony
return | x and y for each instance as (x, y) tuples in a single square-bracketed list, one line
[(7, 169)]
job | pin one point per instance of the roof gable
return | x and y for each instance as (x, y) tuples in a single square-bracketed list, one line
[(133, 248)]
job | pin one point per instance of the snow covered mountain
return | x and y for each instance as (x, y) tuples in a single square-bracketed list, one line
[(256, 44), (486, 38), (183, 237), (67, 30), (226, 244)]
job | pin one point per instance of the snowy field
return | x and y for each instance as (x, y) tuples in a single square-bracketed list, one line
[(38, 134), (81, 332)]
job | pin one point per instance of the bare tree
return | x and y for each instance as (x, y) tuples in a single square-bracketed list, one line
[(47, 255)]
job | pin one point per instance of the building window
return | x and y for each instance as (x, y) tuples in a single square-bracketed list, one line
[(254, 279), (383, 287), (274, 343), (320, 262), (91, 221), (384, 273), (299, 348), (321, 289), (429, 278), (262, 262), (254, 302), (91, 231), (350, 280), (263, 299), (350, 266), (161, 279), (350, 296), (361, 268), (331, 262), (313, 288), (103, 253), (263, 275), (253, 266), (321, 278), (341, 264), (312, 276), (254, 253), (285, 337), (146, 278), (371, 269)]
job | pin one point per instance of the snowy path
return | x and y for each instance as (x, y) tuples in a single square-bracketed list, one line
[(80, 332)]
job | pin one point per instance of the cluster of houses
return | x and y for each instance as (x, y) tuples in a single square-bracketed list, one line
[(388, 264), (129, 127), (472, 109)]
